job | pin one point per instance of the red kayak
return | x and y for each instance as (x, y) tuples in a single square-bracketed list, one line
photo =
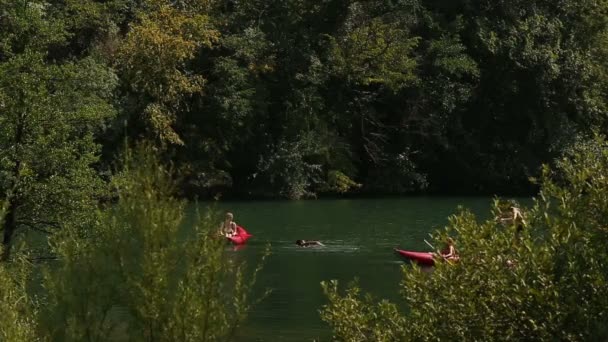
[(240, 237), (422, 258)]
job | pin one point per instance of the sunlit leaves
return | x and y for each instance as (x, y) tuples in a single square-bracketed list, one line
[(17, 309), (374, 50), (357, 317), (339, 182), (155, 57), (28, 25), (50, 116)]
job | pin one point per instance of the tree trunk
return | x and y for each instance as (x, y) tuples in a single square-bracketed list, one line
[(10, 218), (10, 224)]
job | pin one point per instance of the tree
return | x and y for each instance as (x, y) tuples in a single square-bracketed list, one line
[(154, 60), (133, 273), (541, 82), (50, 113), (374, 49), (372, 62)]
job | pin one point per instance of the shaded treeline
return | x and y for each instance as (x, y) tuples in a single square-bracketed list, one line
[(296, 98)]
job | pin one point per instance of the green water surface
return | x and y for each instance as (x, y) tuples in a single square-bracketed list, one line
[(359, 236)]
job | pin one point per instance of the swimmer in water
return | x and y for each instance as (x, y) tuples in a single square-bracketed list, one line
[(305, 243)]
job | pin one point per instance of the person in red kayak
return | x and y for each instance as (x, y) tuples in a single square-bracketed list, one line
[(228, 227), (449, 252), (304, 243)]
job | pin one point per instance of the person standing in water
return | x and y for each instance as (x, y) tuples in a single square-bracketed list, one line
[(510, 214), (514, 216), (228, 227)]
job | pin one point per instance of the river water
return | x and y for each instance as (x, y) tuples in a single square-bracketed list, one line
[(359, 236)]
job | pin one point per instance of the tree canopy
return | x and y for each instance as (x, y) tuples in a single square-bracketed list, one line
[(276, 98)]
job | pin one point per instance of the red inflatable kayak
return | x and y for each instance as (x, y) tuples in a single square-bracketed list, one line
[(422, 258), (240, 237)]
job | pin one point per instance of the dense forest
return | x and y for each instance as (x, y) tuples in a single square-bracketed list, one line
[(115, 113), (299, 98)]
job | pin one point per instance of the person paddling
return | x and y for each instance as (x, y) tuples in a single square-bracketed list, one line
[(449, 252), (305, 243)]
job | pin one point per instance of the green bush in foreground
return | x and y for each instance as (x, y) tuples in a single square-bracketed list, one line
[(17, 322), (137, 275), (547, 282), (140, 277), (16, 310)]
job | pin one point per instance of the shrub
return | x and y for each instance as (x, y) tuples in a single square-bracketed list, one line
[(140, 276), (547, 282), (136, 275)]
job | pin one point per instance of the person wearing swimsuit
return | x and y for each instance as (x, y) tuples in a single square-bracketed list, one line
[(512, 216), (228, 227), (449, 252)]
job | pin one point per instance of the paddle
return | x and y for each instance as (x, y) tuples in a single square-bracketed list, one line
[(436, 253)]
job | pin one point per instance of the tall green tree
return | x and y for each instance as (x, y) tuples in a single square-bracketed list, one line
[(541, 83), (372, 61), (50, 111), (155, 63)]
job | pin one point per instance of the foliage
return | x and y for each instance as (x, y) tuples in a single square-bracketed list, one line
[(288, 170), (17, 314), (374, 50), (354, 317), (154, 61), (404, 90), (50, 114), (339, 182), (17, 310), (396, 173), (539, 78), (464, 96), (546, 282), (147, 279)]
